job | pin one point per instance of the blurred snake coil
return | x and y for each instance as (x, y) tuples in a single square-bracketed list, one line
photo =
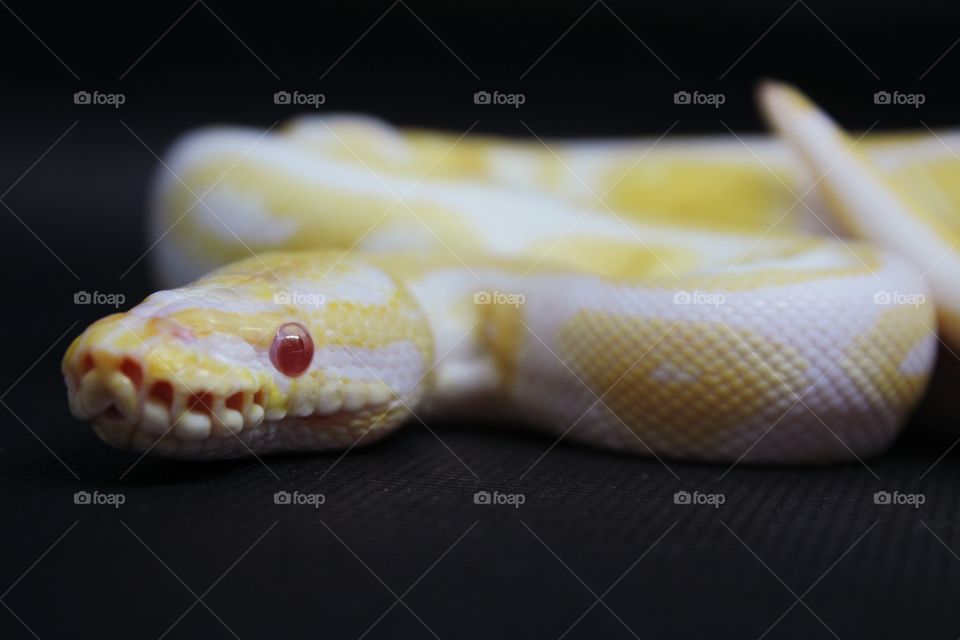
[(770, 300)]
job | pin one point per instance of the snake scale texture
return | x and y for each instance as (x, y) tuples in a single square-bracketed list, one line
[(759, 299)]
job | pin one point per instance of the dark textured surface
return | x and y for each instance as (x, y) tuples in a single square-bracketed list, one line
[(592, 524), (399, 519)]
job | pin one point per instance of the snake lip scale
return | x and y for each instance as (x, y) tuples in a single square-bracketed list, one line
[(132, 399)]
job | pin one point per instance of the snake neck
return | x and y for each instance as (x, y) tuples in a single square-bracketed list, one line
[(475, 315)]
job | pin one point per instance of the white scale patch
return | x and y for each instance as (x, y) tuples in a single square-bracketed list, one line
[(928, 149), (248, 221), (233, 351), (357, 285), (824, 257), (514, 166), (398, 365), (172, 301), (336, 131)]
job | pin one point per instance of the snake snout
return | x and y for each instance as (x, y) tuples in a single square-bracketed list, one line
[(129, 407), (103, 391)]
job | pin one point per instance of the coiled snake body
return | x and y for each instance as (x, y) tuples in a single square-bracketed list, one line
[(386, 277)]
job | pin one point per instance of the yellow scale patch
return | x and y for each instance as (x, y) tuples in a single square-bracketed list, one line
[(674, 267), (721, 195), (616, 259), (698, 375), (501, 331), (868, 263), (934, 188), (472, 157), (874, 364)]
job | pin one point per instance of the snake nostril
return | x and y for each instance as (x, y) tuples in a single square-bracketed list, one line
[(132, 369), (162, 392)]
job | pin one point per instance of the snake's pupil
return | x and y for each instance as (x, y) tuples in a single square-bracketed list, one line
[(292, 349)]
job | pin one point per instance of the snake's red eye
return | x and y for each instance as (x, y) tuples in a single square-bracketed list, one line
[(292, 349)]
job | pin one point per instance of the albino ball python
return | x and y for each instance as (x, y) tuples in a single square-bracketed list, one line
[(389, 276)]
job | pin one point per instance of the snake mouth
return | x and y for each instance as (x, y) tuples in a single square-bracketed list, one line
[(131, 409)]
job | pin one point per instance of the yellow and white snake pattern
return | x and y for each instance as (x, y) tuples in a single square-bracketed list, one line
[(663, 297)]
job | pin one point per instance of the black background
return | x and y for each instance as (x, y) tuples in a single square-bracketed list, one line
[(594, 524)]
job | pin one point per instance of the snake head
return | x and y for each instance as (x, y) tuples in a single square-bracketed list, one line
[(281, 352)]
